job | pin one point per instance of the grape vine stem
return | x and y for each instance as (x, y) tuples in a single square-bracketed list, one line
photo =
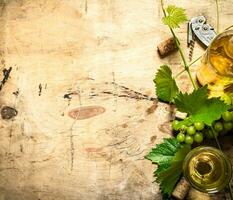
[(186, 66), (190, 64)]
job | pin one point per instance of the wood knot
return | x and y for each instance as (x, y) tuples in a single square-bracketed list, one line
[(86, 112), (8, 112)]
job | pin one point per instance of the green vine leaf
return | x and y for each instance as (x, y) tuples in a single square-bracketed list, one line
[(198, 106), (164, 152), (168, 178), (166, 87), (169, 155), (175, 16)]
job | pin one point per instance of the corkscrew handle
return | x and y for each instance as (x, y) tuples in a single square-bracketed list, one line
[(197, 27)]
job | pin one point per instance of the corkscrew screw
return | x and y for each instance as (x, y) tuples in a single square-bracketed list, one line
[(198, 28)]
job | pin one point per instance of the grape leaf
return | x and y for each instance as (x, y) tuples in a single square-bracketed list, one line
[(198, 106), (169, 155), (166, 88), (164, 152), (210, 111), (168, 178), (189, 103), (175, 16), (181, 153)]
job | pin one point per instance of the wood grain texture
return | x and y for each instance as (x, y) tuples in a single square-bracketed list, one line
[(96, 54)]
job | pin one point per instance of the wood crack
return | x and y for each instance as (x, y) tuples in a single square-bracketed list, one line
[(6, 74), (132, 96), (86, 6)]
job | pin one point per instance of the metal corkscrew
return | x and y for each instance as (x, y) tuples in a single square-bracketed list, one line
[(198, 28)]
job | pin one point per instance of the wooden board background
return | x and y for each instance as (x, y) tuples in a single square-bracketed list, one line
[(98, 53)]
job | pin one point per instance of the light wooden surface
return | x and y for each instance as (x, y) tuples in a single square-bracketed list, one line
[(101, 56)]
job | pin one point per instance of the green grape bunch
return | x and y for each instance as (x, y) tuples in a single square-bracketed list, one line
[(189, 132), (225, 124)]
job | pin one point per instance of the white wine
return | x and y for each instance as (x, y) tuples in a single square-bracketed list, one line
[(207, 169), (216, 67)]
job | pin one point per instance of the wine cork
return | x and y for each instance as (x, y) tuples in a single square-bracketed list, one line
[(181, 189), (166, 47), (180, 115), (197, 195)]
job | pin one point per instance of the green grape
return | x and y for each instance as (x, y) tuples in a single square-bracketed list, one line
[(174, 125), (227, 116), (188, 139), (183, 127), (228, 126), (218, 126), (199, 126), (210, 134), (191, 130), (180, 137), (198, 137)]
